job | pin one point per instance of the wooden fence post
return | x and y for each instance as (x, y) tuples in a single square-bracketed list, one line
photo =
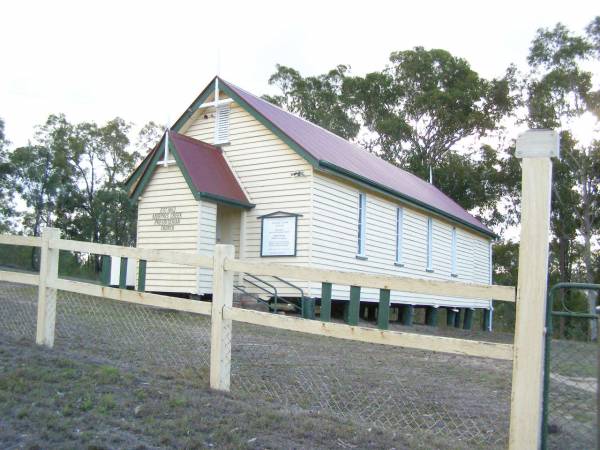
[(220, 336), (46, 311), (536, 147)]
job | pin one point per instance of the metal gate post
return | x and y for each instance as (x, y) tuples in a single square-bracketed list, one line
[(547, 354)]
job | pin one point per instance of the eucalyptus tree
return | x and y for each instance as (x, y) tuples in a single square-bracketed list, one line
[(6, 191), (424, 103), (412, 114), (559, 90), (319, 99)]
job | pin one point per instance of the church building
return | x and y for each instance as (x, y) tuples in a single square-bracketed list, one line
[(235, 169)]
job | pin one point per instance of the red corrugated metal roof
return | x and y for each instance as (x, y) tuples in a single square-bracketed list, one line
[(328, 148), (207, 169)]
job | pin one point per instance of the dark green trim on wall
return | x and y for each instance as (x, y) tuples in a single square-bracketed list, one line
[(225, 200)]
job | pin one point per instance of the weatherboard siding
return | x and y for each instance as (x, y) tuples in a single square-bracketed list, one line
[(206, 240), (335, 230), (168, 188), (263, 165)]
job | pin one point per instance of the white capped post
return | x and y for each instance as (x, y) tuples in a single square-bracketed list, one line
[(46, 311), (166, 161), (216, 101), (535, 147), (220, 336)]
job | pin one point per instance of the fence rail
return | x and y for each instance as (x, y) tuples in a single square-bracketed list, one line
[(222, 313)]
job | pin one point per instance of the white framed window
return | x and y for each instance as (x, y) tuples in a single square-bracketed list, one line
[(490, 266), (222, 124), (399, 226), (362, 223), (454, 271), (429, 244)]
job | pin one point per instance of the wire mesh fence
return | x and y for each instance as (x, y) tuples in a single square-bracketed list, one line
[(18, 310), (432, 400), (573, 388), (132, 335)]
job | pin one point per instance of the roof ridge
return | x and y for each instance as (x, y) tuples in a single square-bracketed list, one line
[(357, 147)]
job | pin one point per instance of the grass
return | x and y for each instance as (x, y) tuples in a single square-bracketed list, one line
[(49, 400)]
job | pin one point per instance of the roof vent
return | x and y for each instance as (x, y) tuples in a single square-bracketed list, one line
[(222, 124)]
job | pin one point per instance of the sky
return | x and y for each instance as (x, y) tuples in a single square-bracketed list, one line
[(148, 60)]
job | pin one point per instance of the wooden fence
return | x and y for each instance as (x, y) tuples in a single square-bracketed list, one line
[(526, 353)]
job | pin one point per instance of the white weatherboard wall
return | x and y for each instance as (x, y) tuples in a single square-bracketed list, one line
[(263, 164), (207, 226), (168, 188), (335, 229)]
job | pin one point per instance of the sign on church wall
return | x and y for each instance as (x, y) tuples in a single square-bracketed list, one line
[(278, 234), (167, 218)]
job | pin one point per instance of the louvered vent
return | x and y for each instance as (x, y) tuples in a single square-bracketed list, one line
[(222, 125)]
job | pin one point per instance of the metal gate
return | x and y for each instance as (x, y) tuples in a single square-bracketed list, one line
[(571, 375)]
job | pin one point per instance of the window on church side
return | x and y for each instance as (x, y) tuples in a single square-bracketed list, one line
[(362, 211), (453, 264), (399, 226), (429, 244)]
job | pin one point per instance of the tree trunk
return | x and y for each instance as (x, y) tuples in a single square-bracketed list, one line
[(565, 276), (589, 274), (587, 254)]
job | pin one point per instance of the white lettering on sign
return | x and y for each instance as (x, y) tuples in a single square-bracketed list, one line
[(167, 218), (278, 236)]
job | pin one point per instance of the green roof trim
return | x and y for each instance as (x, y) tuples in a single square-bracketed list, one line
[(224, 200), (326, 166), (146, 174), (194, 106)]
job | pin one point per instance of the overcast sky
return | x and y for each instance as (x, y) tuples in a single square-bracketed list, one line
[(148, 60)]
